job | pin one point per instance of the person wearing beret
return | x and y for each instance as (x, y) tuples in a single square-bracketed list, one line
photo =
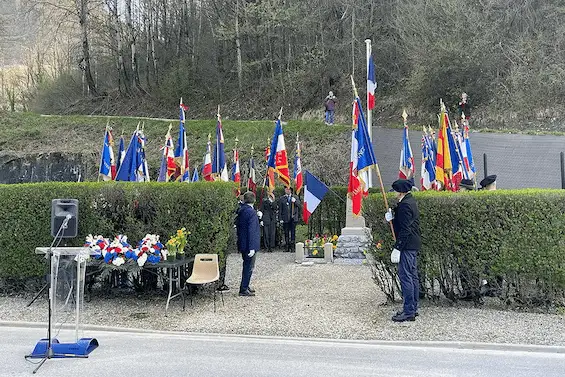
[(406, 223), (488, 183), (466, 185)]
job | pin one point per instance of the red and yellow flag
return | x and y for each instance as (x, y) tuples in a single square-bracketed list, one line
[(443, 157)]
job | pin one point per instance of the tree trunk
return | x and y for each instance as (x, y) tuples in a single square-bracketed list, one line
[(353, 40), (238, 48), (133, 47), (83, 21)]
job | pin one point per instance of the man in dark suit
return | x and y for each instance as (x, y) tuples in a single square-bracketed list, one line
[(290, 209), (406, 222), (248, 241), (269, 221)]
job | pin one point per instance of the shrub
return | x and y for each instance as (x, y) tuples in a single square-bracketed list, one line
[(512, 239), (112, 208)]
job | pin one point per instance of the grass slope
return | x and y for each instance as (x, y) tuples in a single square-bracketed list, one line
[(28, 133)]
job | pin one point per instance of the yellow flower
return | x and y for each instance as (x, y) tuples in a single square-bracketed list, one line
[(315, 252)]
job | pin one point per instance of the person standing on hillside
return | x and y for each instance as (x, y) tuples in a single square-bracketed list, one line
[(406, 223), (330, 102), (464, 107), (248, 241)]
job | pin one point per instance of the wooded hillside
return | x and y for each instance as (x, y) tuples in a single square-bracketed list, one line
[(254, 56)]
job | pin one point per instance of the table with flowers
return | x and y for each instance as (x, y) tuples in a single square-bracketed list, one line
[(149, 255)]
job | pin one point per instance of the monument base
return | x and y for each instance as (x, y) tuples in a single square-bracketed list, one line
[(353, 242)]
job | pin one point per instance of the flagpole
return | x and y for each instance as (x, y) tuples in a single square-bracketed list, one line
[(369, 112), (378, 171)]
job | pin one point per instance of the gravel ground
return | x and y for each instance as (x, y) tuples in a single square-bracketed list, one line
[(323, 300)]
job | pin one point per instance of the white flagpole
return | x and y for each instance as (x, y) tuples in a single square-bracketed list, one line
[(369, 112)]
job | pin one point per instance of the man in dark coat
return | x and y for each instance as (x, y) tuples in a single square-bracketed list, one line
[(269, 221), (290, 209), (406, 222), (248, 241)]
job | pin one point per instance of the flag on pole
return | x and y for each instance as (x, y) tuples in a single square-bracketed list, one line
[(195, 177), (454, 152), (181, 152), (128, 168), (168, 165), (371, 84), (142, 168), (107, 162), (297, 169), (278, 161), (270, 174), (219, 167), (406, 167), (251, 181), (236, 174), (467, 153), (362, 157), (428, 169), (314, 192), (443, 156), (207, 167), (121, 153)]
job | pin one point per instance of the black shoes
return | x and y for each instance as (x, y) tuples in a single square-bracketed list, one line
[(223, 288), (251, 290), (400, 312), (403, 317), (247, 293)]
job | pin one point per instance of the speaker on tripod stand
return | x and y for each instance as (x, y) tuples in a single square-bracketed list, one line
[(64, 224)]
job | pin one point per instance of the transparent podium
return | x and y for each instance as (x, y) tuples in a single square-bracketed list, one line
[(66, 304)]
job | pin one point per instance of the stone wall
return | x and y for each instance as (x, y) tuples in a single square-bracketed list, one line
[(45, 167)]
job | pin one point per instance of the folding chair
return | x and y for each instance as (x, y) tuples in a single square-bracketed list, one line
[(205, 271)]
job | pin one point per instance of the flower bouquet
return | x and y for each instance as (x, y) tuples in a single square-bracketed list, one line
[(149, 249), (314, 248), (176, 244)]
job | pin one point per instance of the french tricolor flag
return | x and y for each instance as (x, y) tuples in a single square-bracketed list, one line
[(314, 192), (207, 167), (371, 84)]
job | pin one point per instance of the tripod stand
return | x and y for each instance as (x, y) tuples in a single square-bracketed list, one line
[(49, 347)]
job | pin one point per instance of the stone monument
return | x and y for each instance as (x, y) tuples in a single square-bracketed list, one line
[(355, 237)]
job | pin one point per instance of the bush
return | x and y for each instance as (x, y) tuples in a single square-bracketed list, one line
[(512, 239), (111, 208)]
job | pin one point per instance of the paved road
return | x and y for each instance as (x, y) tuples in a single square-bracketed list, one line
[(519, 161), (151, 355)]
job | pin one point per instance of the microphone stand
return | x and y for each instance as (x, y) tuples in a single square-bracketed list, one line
[(49, 352)]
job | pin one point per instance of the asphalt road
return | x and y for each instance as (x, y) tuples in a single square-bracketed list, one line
[(139, 355)]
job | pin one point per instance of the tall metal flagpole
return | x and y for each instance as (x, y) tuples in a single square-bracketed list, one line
[(369, 112), (378, 172)]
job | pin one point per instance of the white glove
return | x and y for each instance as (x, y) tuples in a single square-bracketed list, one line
[(252, 253), (260, 214), (261, 223), (293, 199), (388, 215), (281, 221), (395, 256)]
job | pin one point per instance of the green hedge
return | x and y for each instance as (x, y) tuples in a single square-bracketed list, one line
[(514, 239), (110, 208)]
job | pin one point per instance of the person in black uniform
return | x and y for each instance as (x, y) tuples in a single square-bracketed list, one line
[(406, 222), (289, 215), (269, 221), (248, 241)]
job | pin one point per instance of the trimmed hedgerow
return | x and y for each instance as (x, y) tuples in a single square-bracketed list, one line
[(512, 239), (111, 208)]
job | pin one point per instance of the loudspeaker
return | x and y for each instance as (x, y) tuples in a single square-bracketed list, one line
[(64, 212)]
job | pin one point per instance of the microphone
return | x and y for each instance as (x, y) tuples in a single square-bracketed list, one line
[(65, 223)]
